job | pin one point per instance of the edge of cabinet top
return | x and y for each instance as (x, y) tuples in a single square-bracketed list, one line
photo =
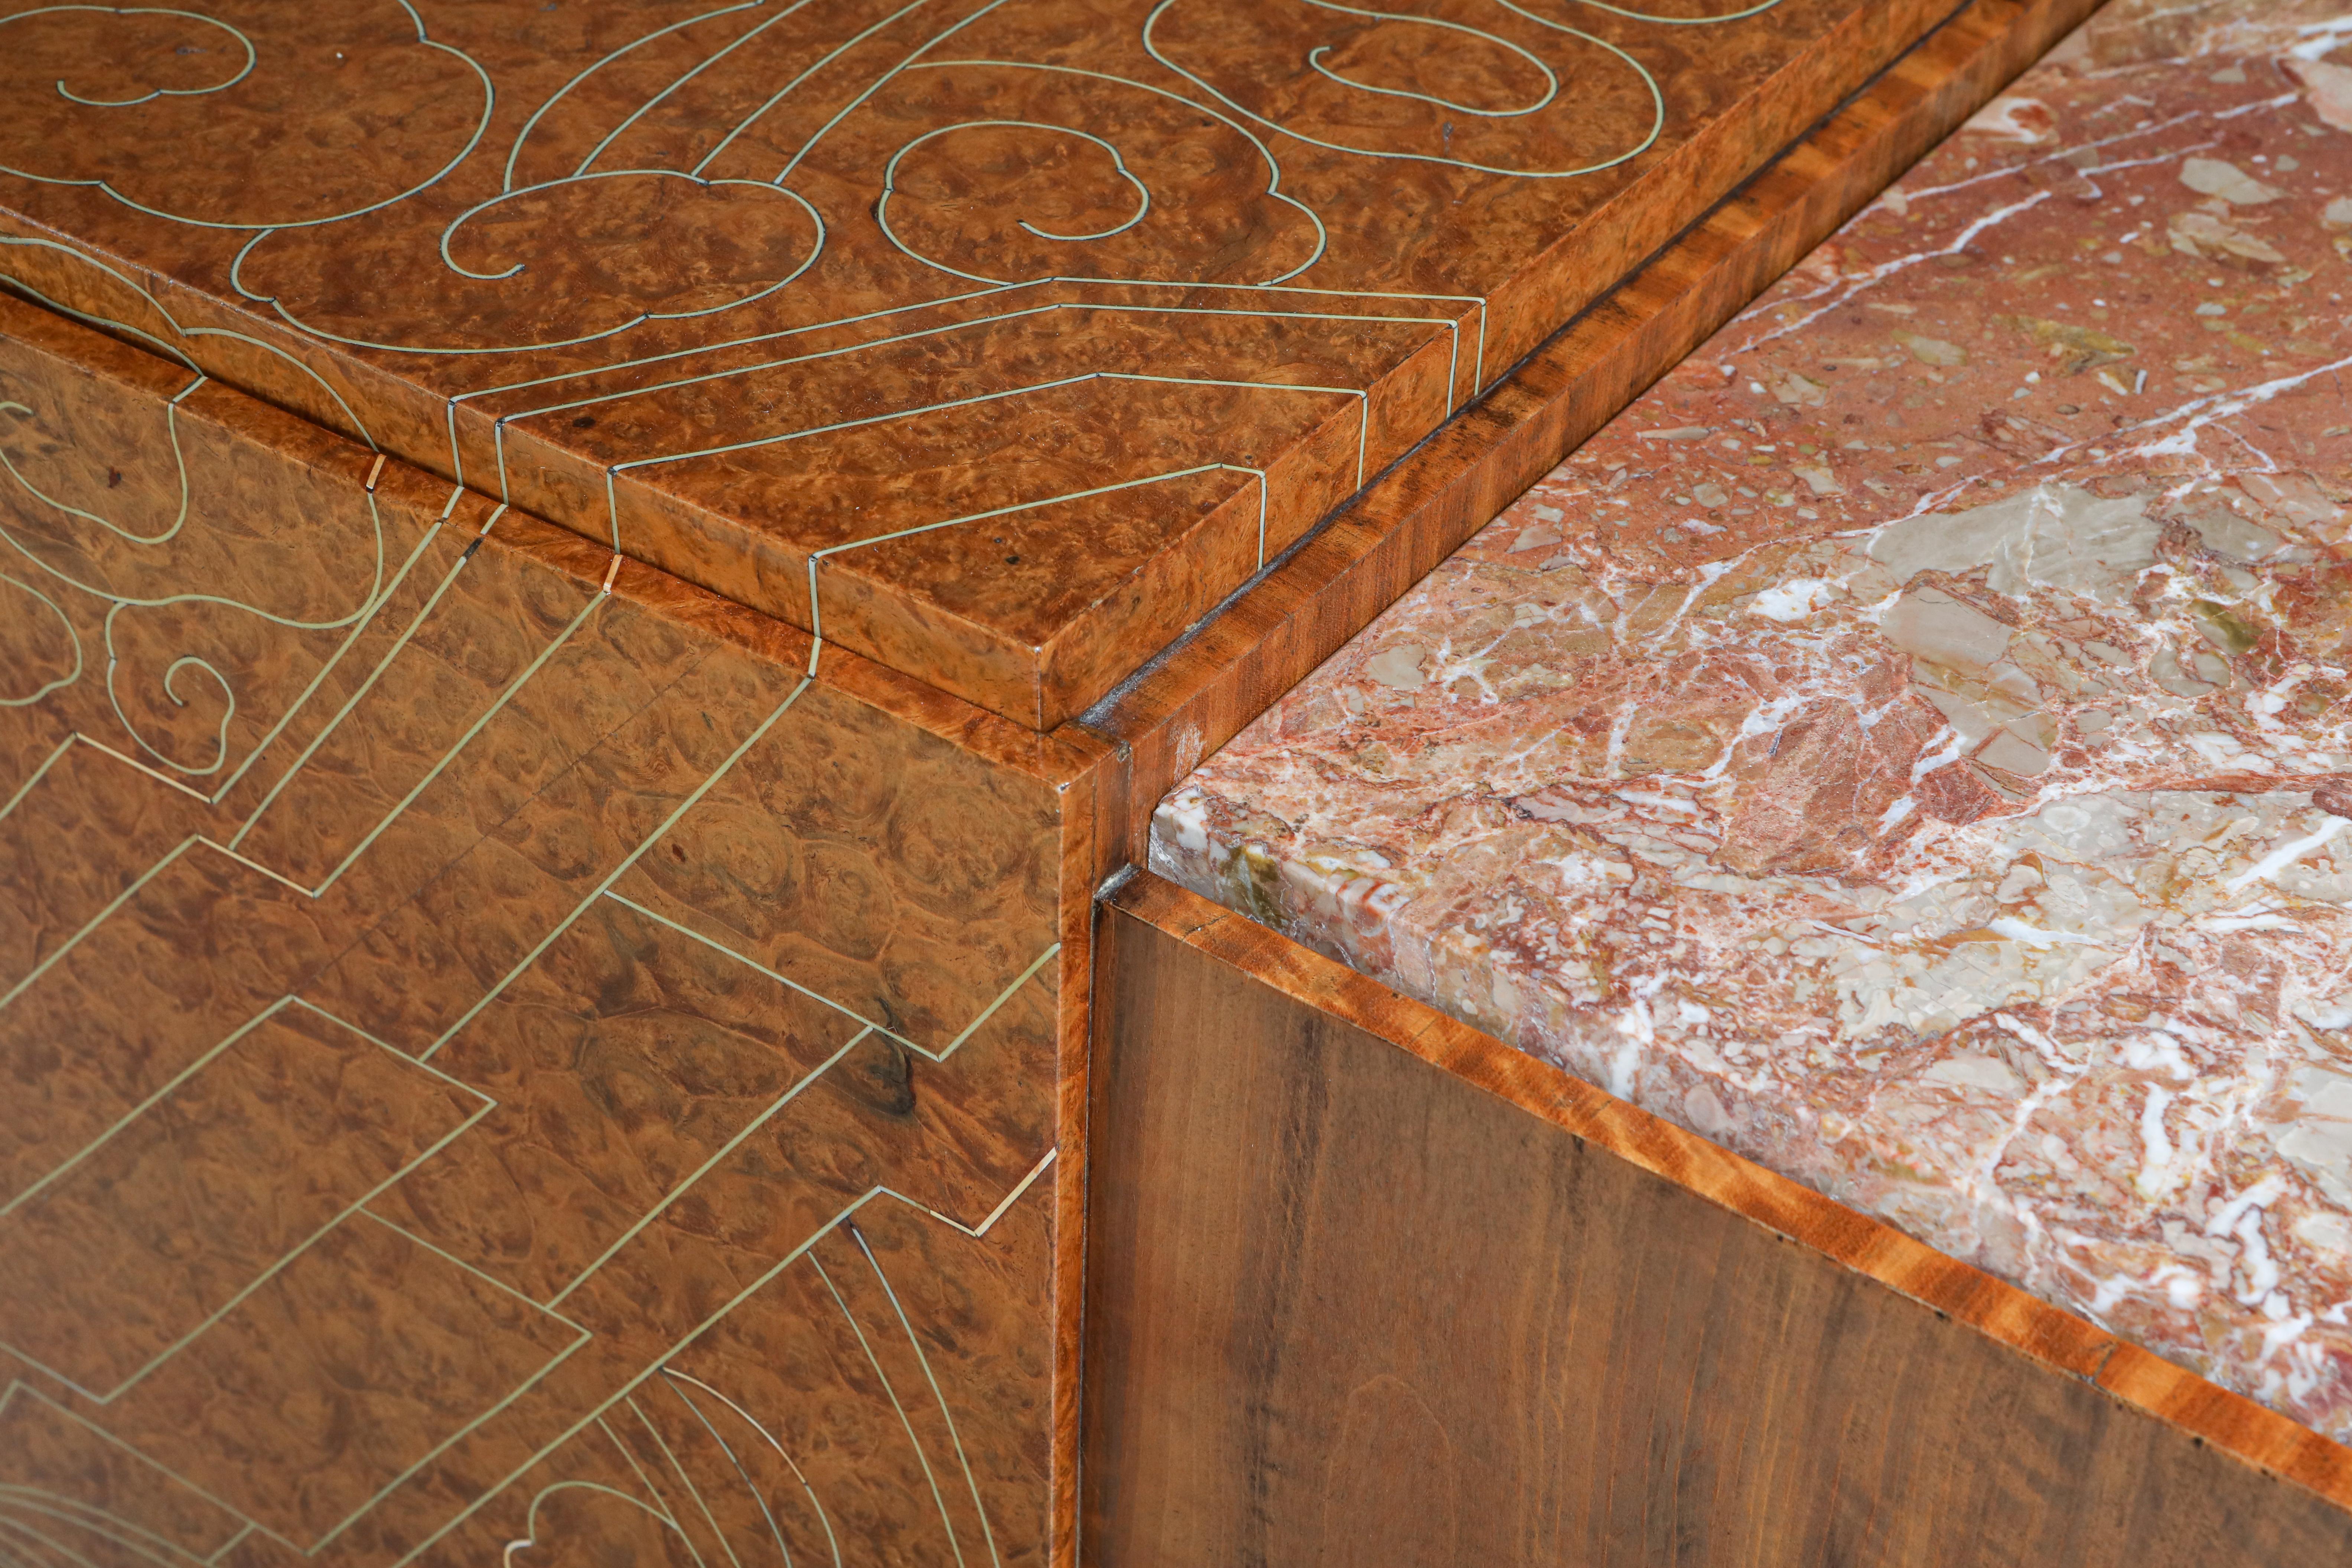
[(997, 339)]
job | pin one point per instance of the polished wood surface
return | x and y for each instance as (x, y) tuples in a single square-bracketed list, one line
[(1369, 1287), (1197, 696), (996, 341), (306, 782), (499, 1044)]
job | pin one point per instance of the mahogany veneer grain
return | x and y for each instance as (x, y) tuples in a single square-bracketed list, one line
[(1369, 1287)]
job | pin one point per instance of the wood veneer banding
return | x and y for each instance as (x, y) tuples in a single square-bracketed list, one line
[(1368, 1286)]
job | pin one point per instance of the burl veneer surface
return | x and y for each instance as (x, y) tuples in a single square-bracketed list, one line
[(493, 1055), (998, 340), (1913, 745)]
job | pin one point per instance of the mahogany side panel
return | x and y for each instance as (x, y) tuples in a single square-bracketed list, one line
[(1368, 1286)]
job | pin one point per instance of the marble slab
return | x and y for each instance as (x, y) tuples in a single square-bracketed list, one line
[(1913, 744), (997, 339)]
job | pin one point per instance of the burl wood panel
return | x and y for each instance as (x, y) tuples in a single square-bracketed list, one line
[(500, 1051), (1368, 1288), (996, 340)]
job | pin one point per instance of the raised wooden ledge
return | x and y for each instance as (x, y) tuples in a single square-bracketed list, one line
[(1224, 1048), (1197, 694)]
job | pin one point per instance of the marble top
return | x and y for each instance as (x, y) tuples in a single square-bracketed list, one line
[(998, 340), (1913, 744)]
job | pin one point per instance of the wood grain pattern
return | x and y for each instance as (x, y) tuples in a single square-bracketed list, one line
[(1671, 1354), (749, 964), (1005, 340), (144, 1238), (1199, 694), (484, 1021)]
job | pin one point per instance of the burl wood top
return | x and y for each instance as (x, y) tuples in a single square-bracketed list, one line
[(998, 340)]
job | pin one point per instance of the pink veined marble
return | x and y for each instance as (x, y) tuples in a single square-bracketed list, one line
[(1913, 744)]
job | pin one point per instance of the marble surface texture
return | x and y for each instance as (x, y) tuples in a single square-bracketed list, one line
[(1913, 744)]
